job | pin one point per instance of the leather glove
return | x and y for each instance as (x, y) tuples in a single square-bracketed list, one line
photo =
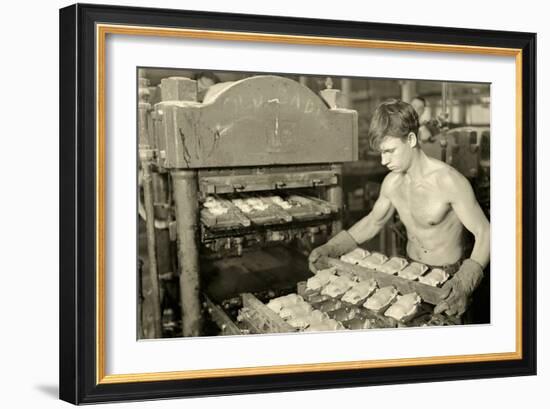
[(340, 244), (460, 289)]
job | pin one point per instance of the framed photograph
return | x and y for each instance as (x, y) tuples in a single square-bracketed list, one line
[(257, 204)]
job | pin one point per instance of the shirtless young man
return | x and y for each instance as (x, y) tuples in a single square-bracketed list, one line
[(434, 201)]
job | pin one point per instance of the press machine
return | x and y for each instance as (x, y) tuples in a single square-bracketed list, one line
[(259, 138)]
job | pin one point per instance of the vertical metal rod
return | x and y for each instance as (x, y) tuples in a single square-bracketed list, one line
[(161, 201), (450, 103), (335, 195), (444, 100), (143, 112), (408, 90), (152, 246), (160, 195), (186, 199), (141, 331), (143, 120), (346, 93)]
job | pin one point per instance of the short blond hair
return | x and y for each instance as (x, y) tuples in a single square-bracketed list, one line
[(392, 118)]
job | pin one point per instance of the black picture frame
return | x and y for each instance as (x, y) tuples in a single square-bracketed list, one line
[(79, 380)]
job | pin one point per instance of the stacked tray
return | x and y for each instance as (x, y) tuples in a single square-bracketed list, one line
[(301, 315), (359, 303), (331, 301), (397, 266), (219, 213), (303, 207), (259, 210), (365, 290)]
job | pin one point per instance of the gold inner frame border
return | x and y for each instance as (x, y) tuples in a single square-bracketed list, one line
[(102, 30)]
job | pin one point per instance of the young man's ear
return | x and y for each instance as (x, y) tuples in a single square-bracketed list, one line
[(412, 139)]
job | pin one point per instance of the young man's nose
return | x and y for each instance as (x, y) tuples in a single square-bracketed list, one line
[(385, 160)]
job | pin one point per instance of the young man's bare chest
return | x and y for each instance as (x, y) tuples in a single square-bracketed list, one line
[(420, 203)]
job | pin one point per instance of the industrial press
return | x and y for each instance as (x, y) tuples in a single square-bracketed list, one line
[(251, 173)]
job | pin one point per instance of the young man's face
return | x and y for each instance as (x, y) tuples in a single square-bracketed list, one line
[(396, 154)]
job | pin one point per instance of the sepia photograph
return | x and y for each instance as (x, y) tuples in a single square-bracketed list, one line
[(288, 202)]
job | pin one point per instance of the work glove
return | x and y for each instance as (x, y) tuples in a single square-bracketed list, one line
[(460, 289), (340, 244)]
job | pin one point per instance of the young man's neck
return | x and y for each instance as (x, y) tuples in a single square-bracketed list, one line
[(418, 165)]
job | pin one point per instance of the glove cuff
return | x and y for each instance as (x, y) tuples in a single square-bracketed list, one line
[(343, 242), (472, 262), (470, 274)]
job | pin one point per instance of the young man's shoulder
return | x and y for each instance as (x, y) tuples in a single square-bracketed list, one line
[(443, 171), (447, 177), (391, 181)]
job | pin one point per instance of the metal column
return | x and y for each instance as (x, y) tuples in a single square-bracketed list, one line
[(144, 107), (346, 93), (335, 195), (151, 243), (408, 90), (186, 200)]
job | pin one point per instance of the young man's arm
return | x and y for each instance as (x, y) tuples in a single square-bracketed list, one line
[(470, 274), (363, 230), (463, 201), (370, 225)]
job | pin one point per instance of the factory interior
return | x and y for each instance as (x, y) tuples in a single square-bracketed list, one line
[(242, 175)]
